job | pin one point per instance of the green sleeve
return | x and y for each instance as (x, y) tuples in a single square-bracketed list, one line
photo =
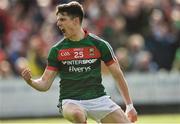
[(53, 58), (107, 53)]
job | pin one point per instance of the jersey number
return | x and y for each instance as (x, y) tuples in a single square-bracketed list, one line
[(78, 55)]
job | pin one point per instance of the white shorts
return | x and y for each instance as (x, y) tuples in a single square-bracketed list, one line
[(96, 108)]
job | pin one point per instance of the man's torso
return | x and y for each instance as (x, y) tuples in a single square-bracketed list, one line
[(79, 65)]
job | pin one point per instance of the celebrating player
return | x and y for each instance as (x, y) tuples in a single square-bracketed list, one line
[(77, 60)]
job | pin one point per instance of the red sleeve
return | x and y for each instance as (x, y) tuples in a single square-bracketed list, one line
[(51, 68), (110, 62)]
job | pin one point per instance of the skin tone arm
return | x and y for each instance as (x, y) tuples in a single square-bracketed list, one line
[(41, 84), (119, 77)]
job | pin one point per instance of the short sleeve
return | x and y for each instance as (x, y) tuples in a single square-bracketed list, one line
[(53, 63), (107, 53)]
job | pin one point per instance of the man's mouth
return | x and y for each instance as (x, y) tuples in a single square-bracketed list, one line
[(63, 30)]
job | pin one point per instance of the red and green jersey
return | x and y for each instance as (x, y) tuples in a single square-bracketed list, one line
[(79, 66)]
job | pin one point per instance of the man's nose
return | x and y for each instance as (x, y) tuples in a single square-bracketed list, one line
[(59, 23)]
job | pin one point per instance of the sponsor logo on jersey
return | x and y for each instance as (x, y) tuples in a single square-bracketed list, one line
[(65, 53), (73, 57), (79, 69), (78, 53), (91, 52), (79, 62)]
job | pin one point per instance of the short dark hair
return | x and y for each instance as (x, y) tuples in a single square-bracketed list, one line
[(73, 9)]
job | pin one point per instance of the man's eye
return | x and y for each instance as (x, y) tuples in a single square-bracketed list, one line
[(62, 19)]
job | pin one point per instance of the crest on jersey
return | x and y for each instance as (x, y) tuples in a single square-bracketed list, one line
[(91, 52)]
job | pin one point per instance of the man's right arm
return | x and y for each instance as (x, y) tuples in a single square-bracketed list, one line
[(41, 84)]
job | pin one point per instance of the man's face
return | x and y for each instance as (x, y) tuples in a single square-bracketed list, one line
[(66, 24)]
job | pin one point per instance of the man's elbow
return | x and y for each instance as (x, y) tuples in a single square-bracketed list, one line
[(44, 89)]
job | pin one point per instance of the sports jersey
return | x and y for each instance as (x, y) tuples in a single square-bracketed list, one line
[(79, 66)]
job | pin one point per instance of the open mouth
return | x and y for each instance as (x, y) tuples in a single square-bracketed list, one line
[(62, 30)]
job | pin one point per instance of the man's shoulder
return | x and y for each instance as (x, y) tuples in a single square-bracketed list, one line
[(59, 43), (96, 38), (101, 43)]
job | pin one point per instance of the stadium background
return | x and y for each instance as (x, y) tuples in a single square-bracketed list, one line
[(145, 35)]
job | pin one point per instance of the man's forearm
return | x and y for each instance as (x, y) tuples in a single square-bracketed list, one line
[(38, 84), (123, 88), (122, 85), (41, 84)]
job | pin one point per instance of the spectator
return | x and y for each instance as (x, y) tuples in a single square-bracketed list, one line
[(161, 40), (123, 58), (144, 62), (5, 28), (36, 55), (176, 62), (5, 67), (140, 59), (114, 32), (157, 23)]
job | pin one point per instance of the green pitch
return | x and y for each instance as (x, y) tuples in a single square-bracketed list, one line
[(151, 119)]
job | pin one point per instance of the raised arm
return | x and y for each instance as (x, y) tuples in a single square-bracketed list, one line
[(122, 85), (41, 84)]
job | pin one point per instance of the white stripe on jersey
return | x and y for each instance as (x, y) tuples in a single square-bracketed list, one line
[(107, 44), (111, 50)]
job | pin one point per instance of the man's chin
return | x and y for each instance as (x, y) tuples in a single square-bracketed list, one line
[(65, 35)]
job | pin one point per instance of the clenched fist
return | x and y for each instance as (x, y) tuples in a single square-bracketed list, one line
[(131, 113), (26, 74)]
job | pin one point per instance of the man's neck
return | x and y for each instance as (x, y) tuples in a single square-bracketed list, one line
[(77, 36)]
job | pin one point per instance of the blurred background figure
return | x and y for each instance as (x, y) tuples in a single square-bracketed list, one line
[(36, 55), (5, 67), (28, 29), (122, 55), (139, 58), (176, 62)]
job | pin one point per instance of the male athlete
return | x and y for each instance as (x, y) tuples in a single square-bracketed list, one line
[(77, 60)]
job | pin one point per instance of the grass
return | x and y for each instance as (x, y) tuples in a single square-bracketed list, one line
[(142, 119), (157, 119)]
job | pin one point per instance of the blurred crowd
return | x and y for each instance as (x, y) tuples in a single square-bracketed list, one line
[(145, 34)]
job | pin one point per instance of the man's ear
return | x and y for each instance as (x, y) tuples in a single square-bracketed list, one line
[(76, 20)]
